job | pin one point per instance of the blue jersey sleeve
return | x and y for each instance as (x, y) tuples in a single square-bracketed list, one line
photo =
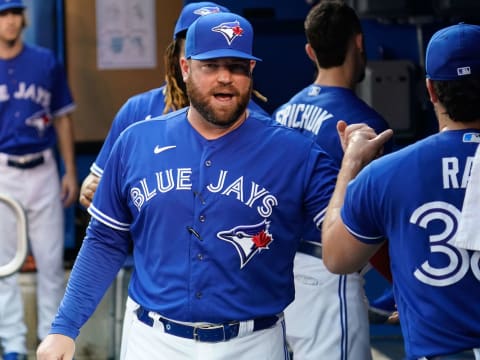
[(95, 269), (320, 185), (62, 100), (360, 209), (103, 251)]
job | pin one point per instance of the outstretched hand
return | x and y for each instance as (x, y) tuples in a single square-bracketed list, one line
[(360, 143)]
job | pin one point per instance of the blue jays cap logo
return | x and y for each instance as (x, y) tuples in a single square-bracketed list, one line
[(230, 30), (248, 240), (206, 10)]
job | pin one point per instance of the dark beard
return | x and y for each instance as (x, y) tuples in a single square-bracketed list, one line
[(216, 117)]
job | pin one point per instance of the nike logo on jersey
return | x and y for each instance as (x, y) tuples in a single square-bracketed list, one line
[(159, 149)]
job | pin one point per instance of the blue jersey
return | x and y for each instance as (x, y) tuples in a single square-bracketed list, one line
[(414, 197), (315, 111), (33, 90), (139, 107), (215, 223)]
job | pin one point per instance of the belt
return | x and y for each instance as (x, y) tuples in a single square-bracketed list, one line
[(310, 248), (205, 333), (25, 164)]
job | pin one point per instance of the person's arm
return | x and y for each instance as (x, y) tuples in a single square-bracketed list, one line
[(88, 188), (342, 252), (69, 186), (101, 255)]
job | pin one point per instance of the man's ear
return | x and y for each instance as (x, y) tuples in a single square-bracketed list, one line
[(310, 52), (431, 91), (185, 67), (359, 43)]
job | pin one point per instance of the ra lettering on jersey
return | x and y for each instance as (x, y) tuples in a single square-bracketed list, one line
[(453, 176), (303, 116), (180, 179), (31, 92)]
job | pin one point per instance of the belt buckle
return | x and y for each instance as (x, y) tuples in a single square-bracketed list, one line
[(198, 337)]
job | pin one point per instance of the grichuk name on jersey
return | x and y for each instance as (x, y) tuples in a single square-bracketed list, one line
[(180, 179), (303, 116), (32, 92)]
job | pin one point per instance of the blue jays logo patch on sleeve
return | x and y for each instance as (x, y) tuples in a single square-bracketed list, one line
[(248, 240), (230, 30)]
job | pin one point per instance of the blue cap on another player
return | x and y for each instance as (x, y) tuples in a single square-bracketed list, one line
[(193, 11), (11, 4), (220, 35), (454, 52)]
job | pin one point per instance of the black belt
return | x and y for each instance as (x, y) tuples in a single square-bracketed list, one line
[(310, 248), (206, 333), (26, 164)]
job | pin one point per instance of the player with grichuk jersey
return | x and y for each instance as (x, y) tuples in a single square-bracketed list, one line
[(214, 198)]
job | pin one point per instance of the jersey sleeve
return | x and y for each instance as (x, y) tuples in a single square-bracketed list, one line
[(62, 100), (109, 203), (361, 212), (102, 254), (103, 250), (320, 183)]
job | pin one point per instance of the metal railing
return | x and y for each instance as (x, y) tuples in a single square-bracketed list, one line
[(22, 241)]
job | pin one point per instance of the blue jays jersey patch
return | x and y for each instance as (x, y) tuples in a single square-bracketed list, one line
[(40, 121), (248, 240)]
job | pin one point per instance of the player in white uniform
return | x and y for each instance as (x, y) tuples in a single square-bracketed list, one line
[(413, 197), (34, 105), (328, 318), (214, 198)]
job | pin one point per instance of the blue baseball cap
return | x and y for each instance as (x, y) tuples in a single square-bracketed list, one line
[(11, 4), (453, 53), (220, 35), (193, 11)]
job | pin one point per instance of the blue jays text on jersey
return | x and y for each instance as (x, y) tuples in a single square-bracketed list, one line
[(29, 100), (181, 180), (207, 217), (419, 214)]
